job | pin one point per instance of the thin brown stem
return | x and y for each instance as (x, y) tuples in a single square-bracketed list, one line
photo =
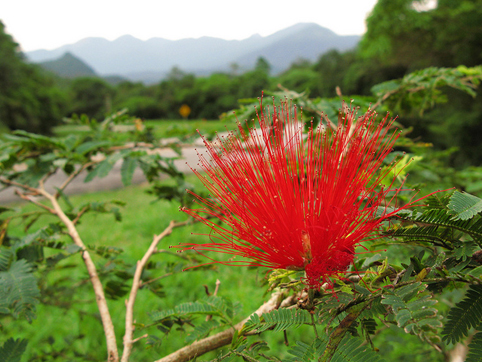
[(155, 279), (71, 177), (285, 336), (245, 357), (44, 178), (112, 353), (179, 255), (33, 190), (340, 331), (139, 338), (33, 201), (128, 341), (79, 215), (216, 289)]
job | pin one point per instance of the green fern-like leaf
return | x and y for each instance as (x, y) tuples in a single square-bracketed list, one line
[(286, 318), (429, 234), (18, 291), (351, 349), (251, 352), (437, 201), (399, 297), (196, 308), (464, 206), (413, 310), (279, 320), (163, 314), (438, 226), (12, 350), (475, 349), (465, 315), (465, 250), (202, 330), (303, 352), (128, 167), (334, 306), (375, 309), (369, 325), (5, 259), (444, 219), (214, 305)]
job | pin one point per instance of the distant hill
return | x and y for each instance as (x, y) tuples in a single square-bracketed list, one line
[(151, 60), (68, 66), (306, 41)]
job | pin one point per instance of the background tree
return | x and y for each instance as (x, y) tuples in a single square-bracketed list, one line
[(253, 82), (91, 96), (211, 94), (173, 92), (458, 32), (299, 77), (446, 36), (331, 68), (139, 99), (262, 66), (29, 99), (399, 39)]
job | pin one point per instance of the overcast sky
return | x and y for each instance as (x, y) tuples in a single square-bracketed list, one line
[(48, 24)]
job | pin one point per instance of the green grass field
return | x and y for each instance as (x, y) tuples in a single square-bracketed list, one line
[(163, 128), (176, 128)]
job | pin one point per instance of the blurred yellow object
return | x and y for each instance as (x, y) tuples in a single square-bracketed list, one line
[(185, 111), (139, 124)]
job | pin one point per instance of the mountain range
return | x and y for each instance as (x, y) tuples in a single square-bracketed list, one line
[(150, 60)]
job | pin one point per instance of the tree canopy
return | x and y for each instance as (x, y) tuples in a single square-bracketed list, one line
[(29, 99)]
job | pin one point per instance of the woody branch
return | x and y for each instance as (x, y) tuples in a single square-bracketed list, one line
[(136, 283), (56, 210), (224, 338)]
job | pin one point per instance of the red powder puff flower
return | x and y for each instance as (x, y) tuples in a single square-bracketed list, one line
[(297, 201)]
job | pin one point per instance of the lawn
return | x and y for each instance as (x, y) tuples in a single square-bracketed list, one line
[(176, 128), (163, 128)]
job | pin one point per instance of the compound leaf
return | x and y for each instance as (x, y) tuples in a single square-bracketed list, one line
[(465, 206), (12, 350), (465, 315), (18, 291)]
